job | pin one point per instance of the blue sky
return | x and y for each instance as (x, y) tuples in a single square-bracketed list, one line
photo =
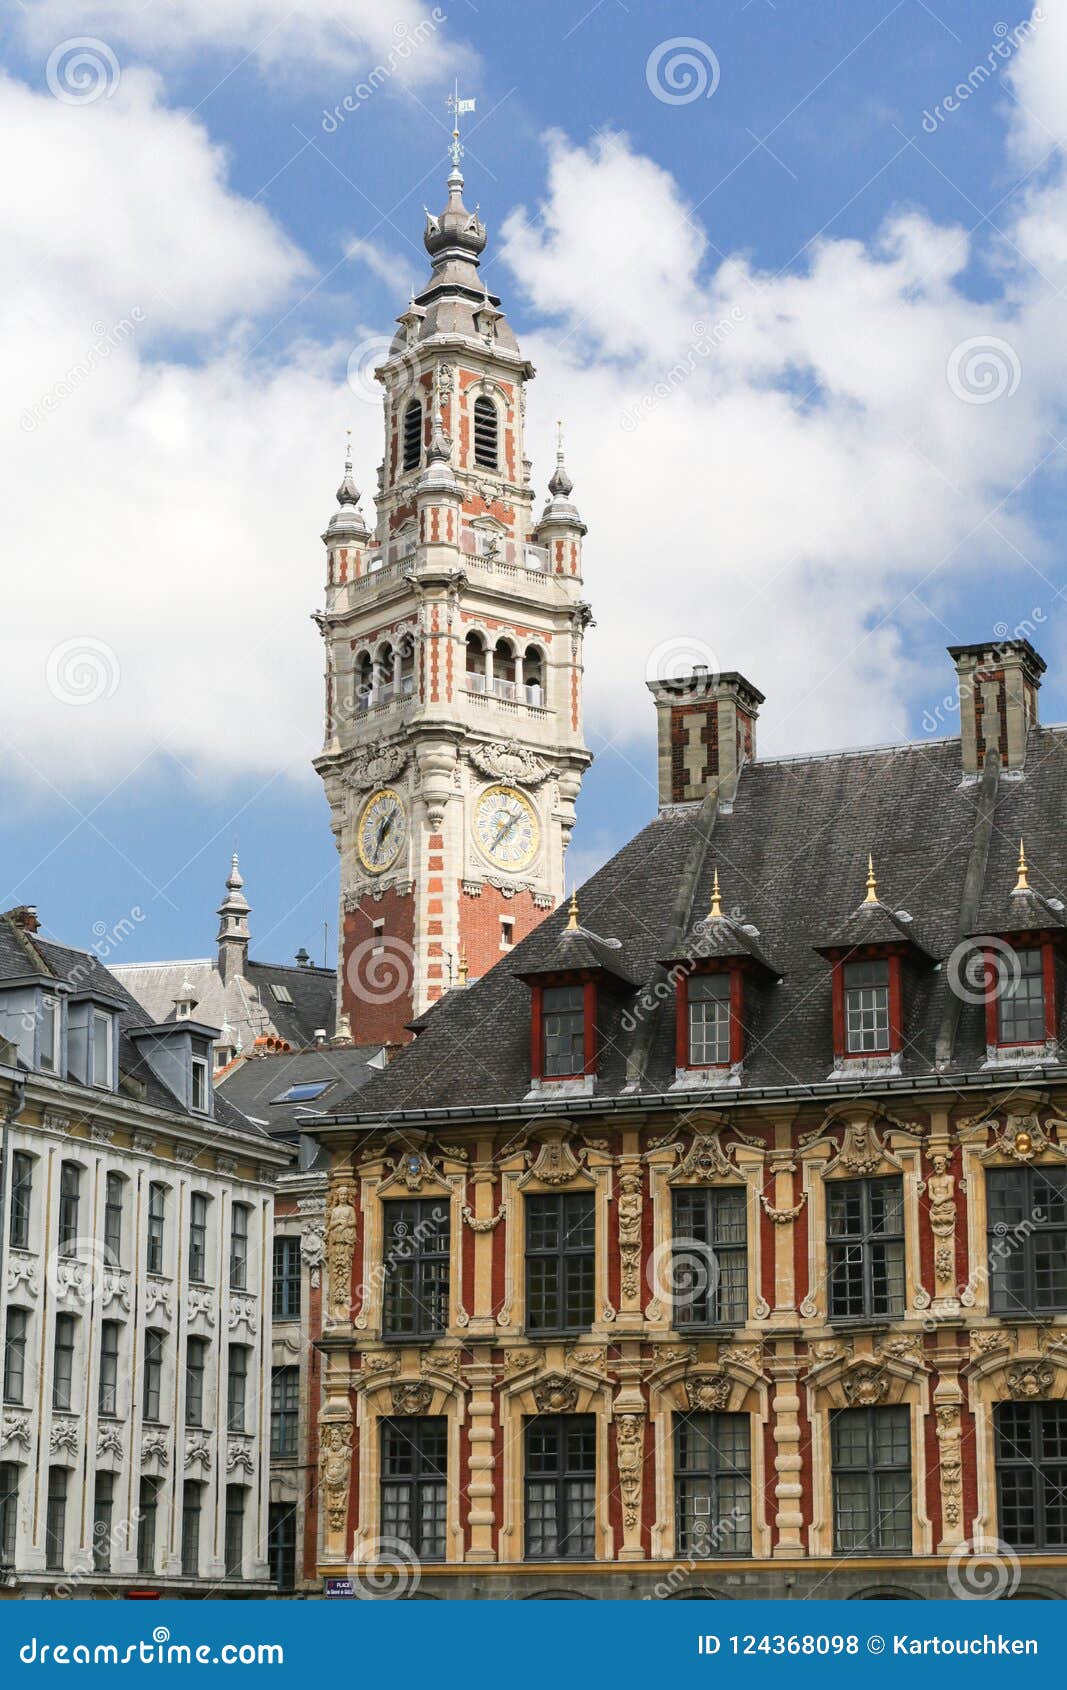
[(168, 510)]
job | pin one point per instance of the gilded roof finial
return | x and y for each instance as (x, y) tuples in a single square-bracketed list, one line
[(1022, 884), (572, 914), (715, 911), (872, 884)]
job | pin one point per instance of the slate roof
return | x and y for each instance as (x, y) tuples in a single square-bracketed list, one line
[(245, 1008), (792, 858), (23, 953), (253, 1085)]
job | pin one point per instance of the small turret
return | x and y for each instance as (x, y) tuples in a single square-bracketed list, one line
[(233, 937), (561, 528)]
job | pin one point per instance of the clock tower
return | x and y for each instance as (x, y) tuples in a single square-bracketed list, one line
[(454, 753)]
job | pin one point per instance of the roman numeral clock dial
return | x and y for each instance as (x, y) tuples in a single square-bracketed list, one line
[(506, 828), (382, 830)]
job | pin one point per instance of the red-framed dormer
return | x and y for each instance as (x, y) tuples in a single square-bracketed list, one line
[(869, 960), (1021, 949), (566, 994), (722, 964)]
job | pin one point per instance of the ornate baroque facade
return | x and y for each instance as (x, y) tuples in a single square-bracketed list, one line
[(734, 1260)]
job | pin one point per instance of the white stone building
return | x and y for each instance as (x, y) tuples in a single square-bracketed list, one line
[(135, 1294)]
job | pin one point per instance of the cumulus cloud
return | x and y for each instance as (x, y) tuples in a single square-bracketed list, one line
[(405, 38)]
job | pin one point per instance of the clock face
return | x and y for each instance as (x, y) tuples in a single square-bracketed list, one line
[(506, 827), (382, 830)]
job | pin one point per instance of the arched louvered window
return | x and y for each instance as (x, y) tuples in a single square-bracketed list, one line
[(533, 675), (485, 433), (412, 435), (407, 666)]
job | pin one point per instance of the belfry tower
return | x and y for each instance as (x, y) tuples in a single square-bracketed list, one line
[(454, 751)]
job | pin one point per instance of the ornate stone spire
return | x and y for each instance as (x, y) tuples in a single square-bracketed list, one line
[(233, 937), (347, 522), (558, 507)]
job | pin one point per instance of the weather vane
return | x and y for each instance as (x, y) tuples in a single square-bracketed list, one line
[(458, 108)]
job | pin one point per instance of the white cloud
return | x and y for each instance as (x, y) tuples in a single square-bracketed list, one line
[(406, 39)]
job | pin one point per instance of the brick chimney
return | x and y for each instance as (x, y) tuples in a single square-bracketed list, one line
[(998, 686), (707, 733)]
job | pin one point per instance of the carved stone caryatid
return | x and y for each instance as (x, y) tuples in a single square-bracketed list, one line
[(313, 1247), (950, 1463), (630, 1205), (630, 1448), (341, 1232), (335, 1471), (940, 1189)]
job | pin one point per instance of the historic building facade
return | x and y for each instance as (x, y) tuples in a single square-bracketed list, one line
[(716, 1242), (453, 751), (134, 1294)]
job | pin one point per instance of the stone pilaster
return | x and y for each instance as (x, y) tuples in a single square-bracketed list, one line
[(482, 1488), (788, 1462)]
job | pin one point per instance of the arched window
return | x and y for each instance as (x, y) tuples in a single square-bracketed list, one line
[(475, 663), (503, 670), (412, 435), (364, 680), (533, 676), (383, 690), (407, 666), (485, 433)]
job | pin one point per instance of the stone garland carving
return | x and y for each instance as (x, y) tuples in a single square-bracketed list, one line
[(16, 1430), (115, 1289), (630, 1437), (412, 1399), (630, 1205), (488, 1223), (64, 1436), (556, 1394), (157, 1296), (239, 1454), (782, 1217), (341, 1230), (109, 1441), (381, 1363), (335, 1461), (509, 761), (377, 768), (154, 1448), (950, 1462), (22, 1270)]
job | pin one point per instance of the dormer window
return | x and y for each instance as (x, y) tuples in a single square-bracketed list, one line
[(31, 1017), (48, 1056), (563, 1016), (199, 1096), (1022, 1006), (708, 1003), (412, 435), (866, 993), (92, 1043)]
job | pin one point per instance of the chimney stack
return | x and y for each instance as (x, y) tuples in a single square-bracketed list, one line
[(707, 733), (998, 687)]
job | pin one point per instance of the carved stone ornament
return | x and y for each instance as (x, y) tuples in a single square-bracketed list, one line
[(629, 1213), (242, 1313), (709, 1393), (507, 760), (1030, 1381), (630, 1436), (239, 1455), (335, 1461), (377, 768), (412, 1399), (156, 1297), (199, 1302), (555, 1162), (556, 1394), (109, 1441), (782, 1217), (313, 1246), (154, 1448), (341, 1231), (413, 1169), (865, 1386), (1022, 1137), (197, 1452), (705, 1159), (16, 1430), (22, 1270), (115, 1288), (488, 1223), (950, 1462), (64, 1436), (862, 1151)]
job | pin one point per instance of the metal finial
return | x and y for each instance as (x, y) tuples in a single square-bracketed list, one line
[(715, 911), (872, 884), (572, 914), (458, 108), (1022, 884)]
